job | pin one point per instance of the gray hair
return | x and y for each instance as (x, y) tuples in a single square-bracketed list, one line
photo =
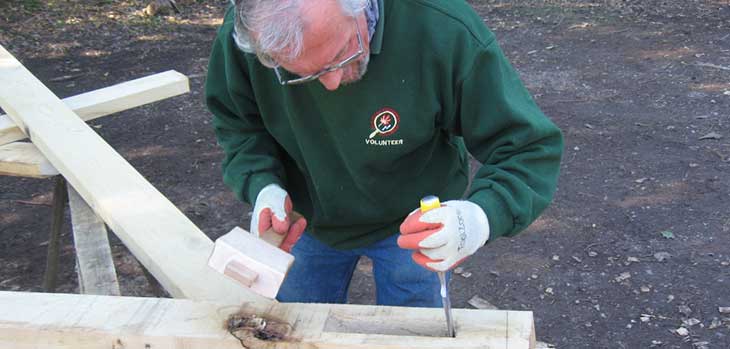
[(279, 26)]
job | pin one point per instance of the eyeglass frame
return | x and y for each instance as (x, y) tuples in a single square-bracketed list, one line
[(315, 76)]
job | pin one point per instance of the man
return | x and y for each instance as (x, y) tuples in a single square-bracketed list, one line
[(351, 111)]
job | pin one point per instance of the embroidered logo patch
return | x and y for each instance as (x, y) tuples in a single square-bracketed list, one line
[(384, 123)]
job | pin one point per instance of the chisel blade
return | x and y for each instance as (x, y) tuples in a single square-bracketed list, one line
[(447, 304)]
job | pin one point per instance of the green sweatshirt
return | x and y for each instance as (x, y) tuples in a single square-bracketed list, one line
[(357, 160)]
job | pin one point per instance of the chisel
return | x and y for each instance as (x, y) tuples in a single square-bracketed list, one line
[(428, 203)]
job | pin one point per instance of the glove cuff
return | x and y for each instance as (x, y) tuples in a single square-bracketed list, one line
[(478, 219), (268, 190)]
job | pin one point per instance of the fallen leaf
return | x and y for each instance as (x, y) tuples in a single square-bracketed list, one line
[(481, 303), (624, 276), (581, 25), (682, 331), (684, 310), (715, 323), (711, 135), (690, 322), (701, 345), (661, 256), (543, 345)]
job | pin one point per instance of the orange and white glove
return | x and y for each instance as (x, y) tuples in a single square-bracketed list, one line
[(273, 209), (444, 236)]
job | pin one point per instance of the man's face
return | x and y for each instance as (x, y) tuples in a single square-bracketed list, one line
[(330, 38)]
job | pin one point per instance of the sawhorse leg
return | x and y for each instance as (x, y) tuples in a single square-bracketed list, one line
[(94, 261)]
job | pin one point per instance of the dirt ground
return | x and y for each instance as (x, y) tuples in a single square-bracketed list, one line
[(633, 253)]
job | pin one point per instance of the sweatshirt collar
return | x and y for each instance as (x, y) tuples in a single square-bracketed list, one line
[(376, 39)]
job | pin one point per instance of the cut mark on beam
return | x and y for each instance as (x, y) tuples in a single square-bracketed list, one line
[(346, 323), (23, 159)]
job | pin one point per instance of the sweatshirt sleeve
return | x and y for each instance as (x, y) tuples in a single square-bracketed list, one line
[(519, 147), (251, 154)]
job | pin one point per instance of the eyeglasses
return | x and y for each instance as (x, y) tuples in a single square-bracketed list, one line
[(329, 69)]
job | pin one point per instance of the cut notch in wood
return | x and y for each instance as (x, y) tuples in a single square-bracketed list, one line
[(23, 159), (340, 322)]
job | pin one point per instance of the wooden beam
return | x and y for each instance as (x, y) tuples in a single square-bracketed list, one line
[(23, 159), (112, 99), (172, 248), (94, 262), (36, 320)]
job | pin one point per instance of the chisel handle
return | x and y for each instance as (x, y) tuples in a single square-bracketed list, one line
[(428, 203)]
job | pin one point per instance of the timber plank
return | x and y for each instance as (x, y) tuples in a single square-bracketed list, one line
[(52, 321), (112, 99), (23, 159), (162, 238), (94, 262)]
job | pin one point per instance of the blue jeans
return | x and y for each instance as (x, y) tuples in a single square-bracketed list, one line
[(321, 274)]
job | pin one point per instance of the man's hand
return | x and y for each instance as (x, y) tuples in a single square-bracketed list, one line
[(443, 237), (273, 209)]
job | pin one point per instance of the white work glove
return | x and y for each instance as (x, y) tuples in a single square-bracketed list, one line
[(273, 209), (444, 236)]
